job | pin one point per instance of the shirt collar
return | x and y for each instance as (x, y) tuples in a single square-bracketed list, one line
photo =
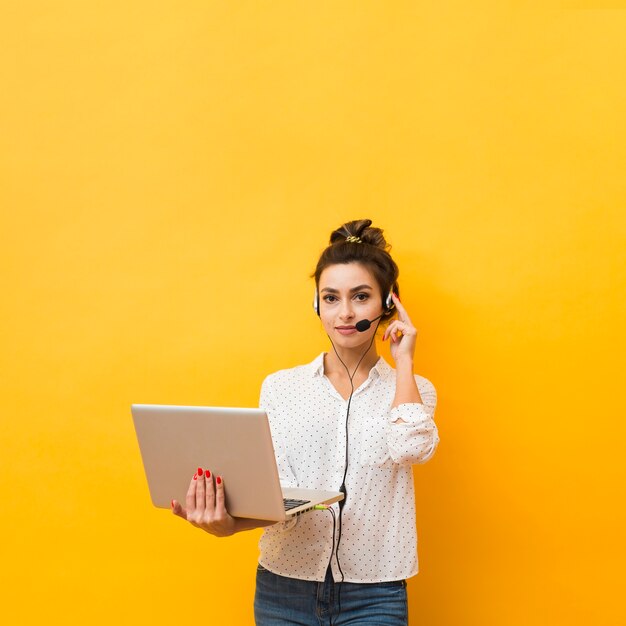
[(381, 367)]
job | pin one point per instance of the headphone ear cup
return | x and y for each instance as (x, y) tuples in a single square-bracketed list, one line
[(316, 303), (389, 305)]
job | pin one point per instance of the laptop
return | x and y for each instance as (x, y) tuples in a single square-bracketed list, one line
[(233, 443)]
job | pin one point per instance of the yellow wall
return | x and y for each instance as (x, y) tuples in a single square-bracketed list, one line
[(168, 175)]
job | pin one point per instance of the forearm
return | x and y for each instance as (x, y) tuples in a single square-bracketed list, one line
[(413, 439), (406, 387)]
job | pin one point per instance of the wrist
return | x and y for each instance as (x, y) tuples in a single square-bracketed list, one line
[(404, 362)]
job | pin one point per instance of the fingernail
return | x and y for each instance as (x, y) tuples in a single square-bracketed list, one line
[(207, 474), (219, 480), (199, 471), (195, 476), (172, 503)]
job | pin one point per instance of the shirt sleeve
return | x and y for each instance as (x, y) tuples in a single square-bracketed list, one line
[(285, 473), (415, 438)]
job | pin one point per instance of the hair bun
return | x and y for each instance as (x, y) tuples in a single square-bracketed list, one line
[(362, 230)]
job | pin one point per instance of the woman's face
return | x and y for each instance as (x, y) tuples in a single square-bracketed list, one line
[(348, 293)]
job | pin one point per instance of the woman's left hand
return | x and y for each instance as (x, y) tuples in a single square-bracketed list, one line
[(402, 334)]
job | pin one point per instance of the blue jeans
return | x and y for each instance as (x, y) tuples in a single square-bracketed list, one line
[(279, 601)]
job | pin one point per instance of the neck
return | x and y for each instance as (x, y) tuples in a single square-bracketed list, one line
[(333, 365)]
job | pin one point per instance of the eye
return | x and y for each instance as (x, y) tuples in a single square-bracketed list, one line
[(329, 298), (362, 297)]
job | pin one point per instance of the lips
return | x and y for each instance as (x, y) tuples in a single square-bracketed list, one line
[(345, 330)]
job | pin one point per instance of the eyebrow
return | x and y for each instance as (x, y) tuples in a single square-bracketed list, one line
[(353, 290)]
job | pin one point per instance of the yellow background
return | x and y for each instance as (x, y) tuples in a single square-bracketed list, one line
[(169, 173)]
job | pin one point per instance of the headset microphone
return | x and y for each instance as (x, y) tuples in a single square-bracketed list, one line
[(364, 325)]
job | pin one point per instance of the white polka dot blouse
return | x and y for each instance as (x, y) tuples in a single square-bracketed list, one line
[(308, 423)]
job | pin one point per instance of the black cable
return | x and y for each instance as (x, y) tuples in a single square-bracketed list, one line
[(330, 608), (345, 472)]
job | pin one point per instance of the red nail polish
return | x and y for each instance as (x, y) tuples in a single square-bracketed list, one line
[(195, 476), (219, 480), (208, 474), (199, 471), (172, 503)]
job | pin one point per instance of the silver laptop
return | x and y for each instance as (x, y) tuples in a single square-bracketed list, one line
[(235, 444)]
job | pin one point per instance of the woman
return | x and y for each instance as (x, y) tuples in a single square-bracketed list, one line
[(346, 421)]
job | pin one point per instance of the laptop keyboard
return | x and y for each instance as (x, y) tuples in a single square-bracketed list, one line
[(292, 504)]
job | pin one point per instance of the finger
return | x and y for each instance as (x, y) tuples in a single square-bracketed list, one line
[(220, 508), (177, 509), (210, 494), (389, 330), (190, 498), (200, 490), (392, 330), (402, 314), (400, 332), (406, 328)]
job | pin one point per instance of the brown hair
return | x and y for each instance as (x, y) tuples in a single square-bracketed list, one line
[(358, 242)]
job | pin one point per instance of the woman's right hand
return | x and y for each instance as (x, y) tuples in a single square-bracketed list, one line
[(205, 505)]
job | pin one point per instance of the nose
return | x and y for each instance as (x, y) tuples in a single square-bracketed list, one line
[(346, 312)]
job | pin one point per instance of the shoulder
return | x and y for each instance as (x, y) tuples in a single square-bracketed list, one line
[(290, 377), (284, 377)]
